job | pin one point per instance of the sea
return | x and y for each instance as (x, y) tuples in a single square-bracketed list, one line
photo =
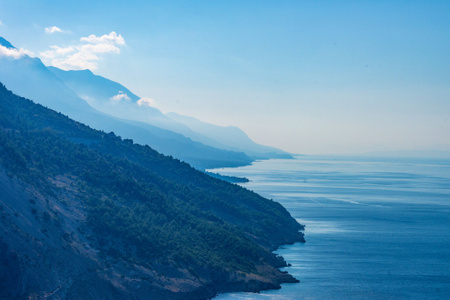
[(376, 228)]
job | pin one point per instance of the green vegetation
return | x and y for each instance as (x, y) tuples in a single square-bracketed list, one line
[(143, 207)]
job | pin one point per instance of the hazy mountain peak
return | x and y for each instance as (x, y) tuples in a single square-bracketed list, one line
[(86, 83), (85, 71), (6, 44)]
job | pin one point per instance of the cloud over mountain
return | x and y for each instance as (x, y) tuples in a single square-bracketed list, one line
[(85, 55), (146, 102), (121, 96), (14, 53)]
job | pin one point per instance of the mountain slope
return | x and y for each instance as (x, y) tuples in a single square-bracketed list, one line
[(28, 77), (32, 79), (87, 215), (85, 83), (114, 99), (5, 43)]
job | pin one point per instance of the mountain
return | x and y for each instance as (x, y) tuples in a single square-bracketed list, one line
[(91, 86), (29, 77), (113, 98), (88, 215), (229, 138), (5, 43)]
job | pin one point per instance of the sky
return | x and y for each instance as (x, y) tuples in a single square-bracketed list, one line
[(312, 77)]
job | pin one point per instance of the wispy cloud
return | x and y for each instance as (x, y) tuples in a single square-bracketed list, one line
[(121, 96), (52, 29), (146, 102), (14, 53), (84, 55), (1, 23), (58, 51)]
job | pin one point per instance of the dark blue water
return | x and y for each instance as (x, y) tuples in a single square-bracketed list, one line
[(375, 228)]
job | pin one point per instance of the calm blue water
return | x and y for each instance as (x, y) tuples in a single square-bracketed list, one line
[(375, 228)]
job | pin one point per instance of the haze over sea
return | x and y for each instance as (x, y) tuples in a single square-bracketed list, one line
[(376, 228)]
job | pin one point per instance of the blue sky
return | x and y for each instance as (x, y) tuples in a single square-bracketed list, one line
[(305, 76)]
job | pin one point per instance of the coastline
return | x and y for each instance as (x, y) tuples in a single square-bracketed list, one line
[(284, 276), (373, 223), (196, 236)]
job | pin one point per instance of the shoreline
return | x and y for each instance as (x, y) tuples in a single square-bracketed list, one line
[(261, 288)]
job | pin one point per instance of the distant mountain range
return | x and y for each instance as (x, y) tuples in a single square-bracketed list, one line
[(30, 78), (228, 138), (114, 99), (86, 214)]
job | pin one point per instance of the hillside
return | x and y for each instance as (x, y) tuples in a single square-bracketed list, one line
[(88, 215)]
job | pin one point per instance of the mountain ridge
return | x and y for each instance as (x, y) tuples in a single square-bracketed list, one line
[(231, 138), (115, 99), (6, 44), (99, 92)]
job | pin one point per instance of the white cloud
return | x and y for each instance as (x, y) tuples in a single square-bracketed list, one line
[(146, 102), (111, 38), (121, 96), (1, 23), (85, 55), (53, 29), (14, 53)]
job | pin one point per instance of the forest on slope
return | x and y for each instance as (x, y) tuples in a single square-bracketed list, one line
[(128, 221)]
